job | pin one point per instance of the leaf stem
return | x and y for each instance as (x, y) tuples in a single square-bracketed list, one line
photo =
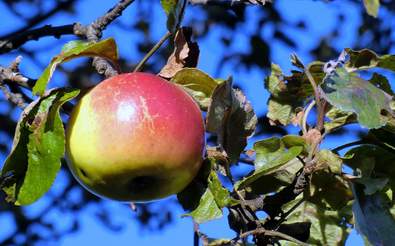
[(151, 52), (358, 142), (306, 115)]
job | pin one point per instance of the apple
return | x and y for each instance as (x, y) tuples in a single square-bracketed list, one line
[(135, 137)]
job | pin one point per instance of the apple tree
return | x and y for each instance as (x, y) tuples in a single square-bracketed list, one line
[(278, 163)]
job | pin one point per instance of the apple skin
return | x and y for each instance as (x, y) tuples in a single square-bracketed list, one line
[(135, 137)]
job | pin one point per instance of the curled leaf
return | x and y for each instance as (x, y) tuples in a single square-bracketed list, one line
[(106, 49), (185, 54), (232, 118), (37, 148)]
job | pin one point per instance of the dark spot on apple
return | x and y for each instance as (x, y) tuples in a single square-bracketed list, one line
[(139, 183), (84, 173)]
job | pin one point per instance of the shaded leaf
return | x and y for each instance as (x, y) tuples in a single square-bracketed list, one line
[(373, 166), (232, 118), (327, 227), (372, 185), (372, 161), (185, 54), (365, 59), (380, 81), (353, 94), (372, 217), (329, 191), (198, 84), (106, 49), (37, 149)]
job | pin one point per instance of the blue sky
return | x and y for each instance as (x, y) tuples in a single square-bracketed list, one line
[(320, 18)]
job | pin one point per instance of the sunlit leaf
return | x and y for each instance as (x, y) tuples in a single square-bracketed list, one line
[(199, 85), (275, 165), (288, 93), (372, 7), (106, 49), (327, 159), (37, 149), (353, 94), (338, 118)]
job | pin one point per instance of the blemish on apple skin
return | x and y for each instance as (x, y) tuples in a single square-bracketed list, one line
[(147, 117)]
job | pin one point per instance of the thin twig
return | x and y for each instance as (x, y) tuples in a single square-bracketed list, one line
[(62, 5), (273, 234), (97, 27), (18, 40), (151, 52), (15, 98), (94, 33)]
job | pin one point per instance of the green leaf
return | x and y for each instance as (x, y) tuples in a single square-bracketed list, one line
[(327, 227), (338, 118), (106, 49), (273, 162), (353, 94), (295, 140), (288, 93), (175, 11), (226, 242), (380, 81), (372, 217), (365, 59), (207, 210), (232, 118), (372, 185), (198, 84), (374, 167), (372, 7), (37, 149), (214, 198), (271, 153), (372, 161), (327, 159), (329, 191)]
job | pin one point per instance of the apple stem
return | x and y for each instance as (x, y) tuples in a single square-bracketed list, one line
[(151, 52)]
